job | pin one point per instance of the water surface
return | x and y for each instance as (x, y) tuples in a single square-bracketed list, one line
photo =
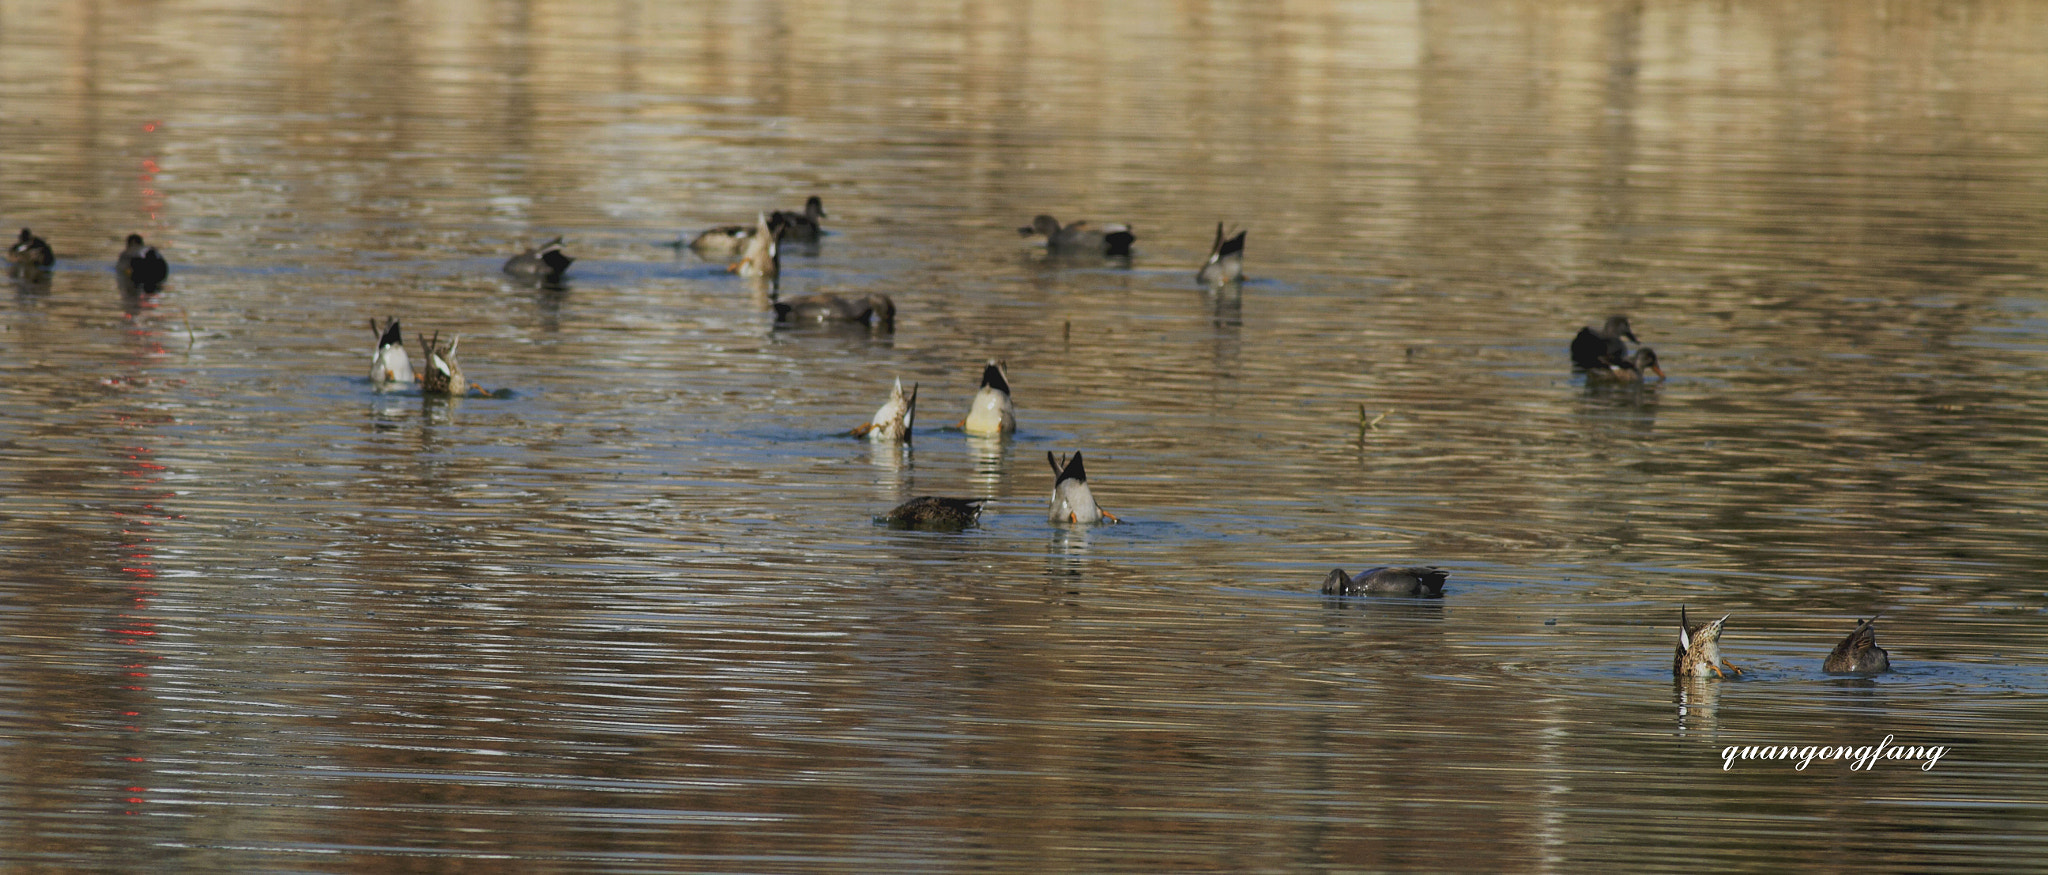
[(634, 614)]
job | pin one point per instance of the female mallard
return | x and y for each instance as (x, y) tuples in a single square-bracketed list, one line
[(1859, 653), (1226, 260), (1082, 238), (799, 227), (892, 422), (932, 513), (763, 256), (1072, 502), (1599, 348), (389, 364), (443, 375), (543, 264), (1422, 581), (1699, 650), (141, 266), (991, 414), (875, 310), (30, 254)]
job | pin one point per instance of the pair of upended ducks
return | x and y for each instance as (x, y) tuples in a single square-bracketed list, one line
[(1699, 651), (990, 414), (391, 366), (1225, 264), (1604, 354)]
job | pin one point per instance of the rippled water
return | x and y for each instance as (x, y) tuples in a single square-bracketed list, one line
[(634, 613)]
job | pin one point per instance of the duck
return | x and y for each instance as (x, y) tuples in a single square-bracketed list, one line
[(1636, 367), (876, 310), (30, 253), (141, 265), (1423, 581), (1599, 348), (724, 241), (1699, 650), (1226, 260), (1112, 239), (543, 263), (1072, 501), (389, 364), (443, 375), (1859, 653), (799, 227), (991, 413), (934, 513), (893, 420), (763, 254)]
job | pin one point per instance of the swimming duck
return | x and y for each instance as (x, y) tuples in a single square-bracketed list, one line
[(1082, 238), (1226, 260), (876, 310), (1599, 348), (1699, 650), (892, 422), (799, 227), (389, 364), (763, 256), (1072, 502), (1859, 653), (1636, 367), (544, 263), (724, 241), (30, 254), (141, 265), (1414, 580), (443, 375), (991, 414), (932, 513)]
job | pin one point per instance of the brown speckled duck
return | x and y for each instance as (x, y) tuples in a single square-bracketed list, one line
[(1699, 650), (1859, 653), (933, 513)]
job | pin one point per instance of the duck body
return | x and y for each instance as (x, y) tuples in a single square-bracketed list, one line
[(875, 310), (1636, 367), (1699, 650), (934, 513), (1226, 260), (800, 227), (1072, 501), (443, 375), (544, 263), (892, 422), (722, 242), (30, 254), (991, 413), (1111, 239), (1599, 348), (1859, 653), (1412, 580), (141, 265), (763, 255), (389, 365)]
